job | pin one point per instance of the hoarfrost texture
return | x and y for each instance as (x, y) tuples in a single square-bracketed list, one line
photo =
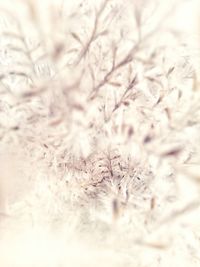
[(99, 133)]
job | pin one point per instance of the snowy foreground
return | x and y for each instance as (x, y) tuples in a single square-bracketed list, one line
[(99, 133)]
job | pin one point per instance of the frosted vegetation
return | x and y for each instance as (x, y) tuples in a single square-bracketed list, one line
[(99, 133)]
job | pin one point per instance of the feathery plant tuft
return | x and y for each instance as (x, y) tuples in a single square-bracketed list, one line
[(99, 135)]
